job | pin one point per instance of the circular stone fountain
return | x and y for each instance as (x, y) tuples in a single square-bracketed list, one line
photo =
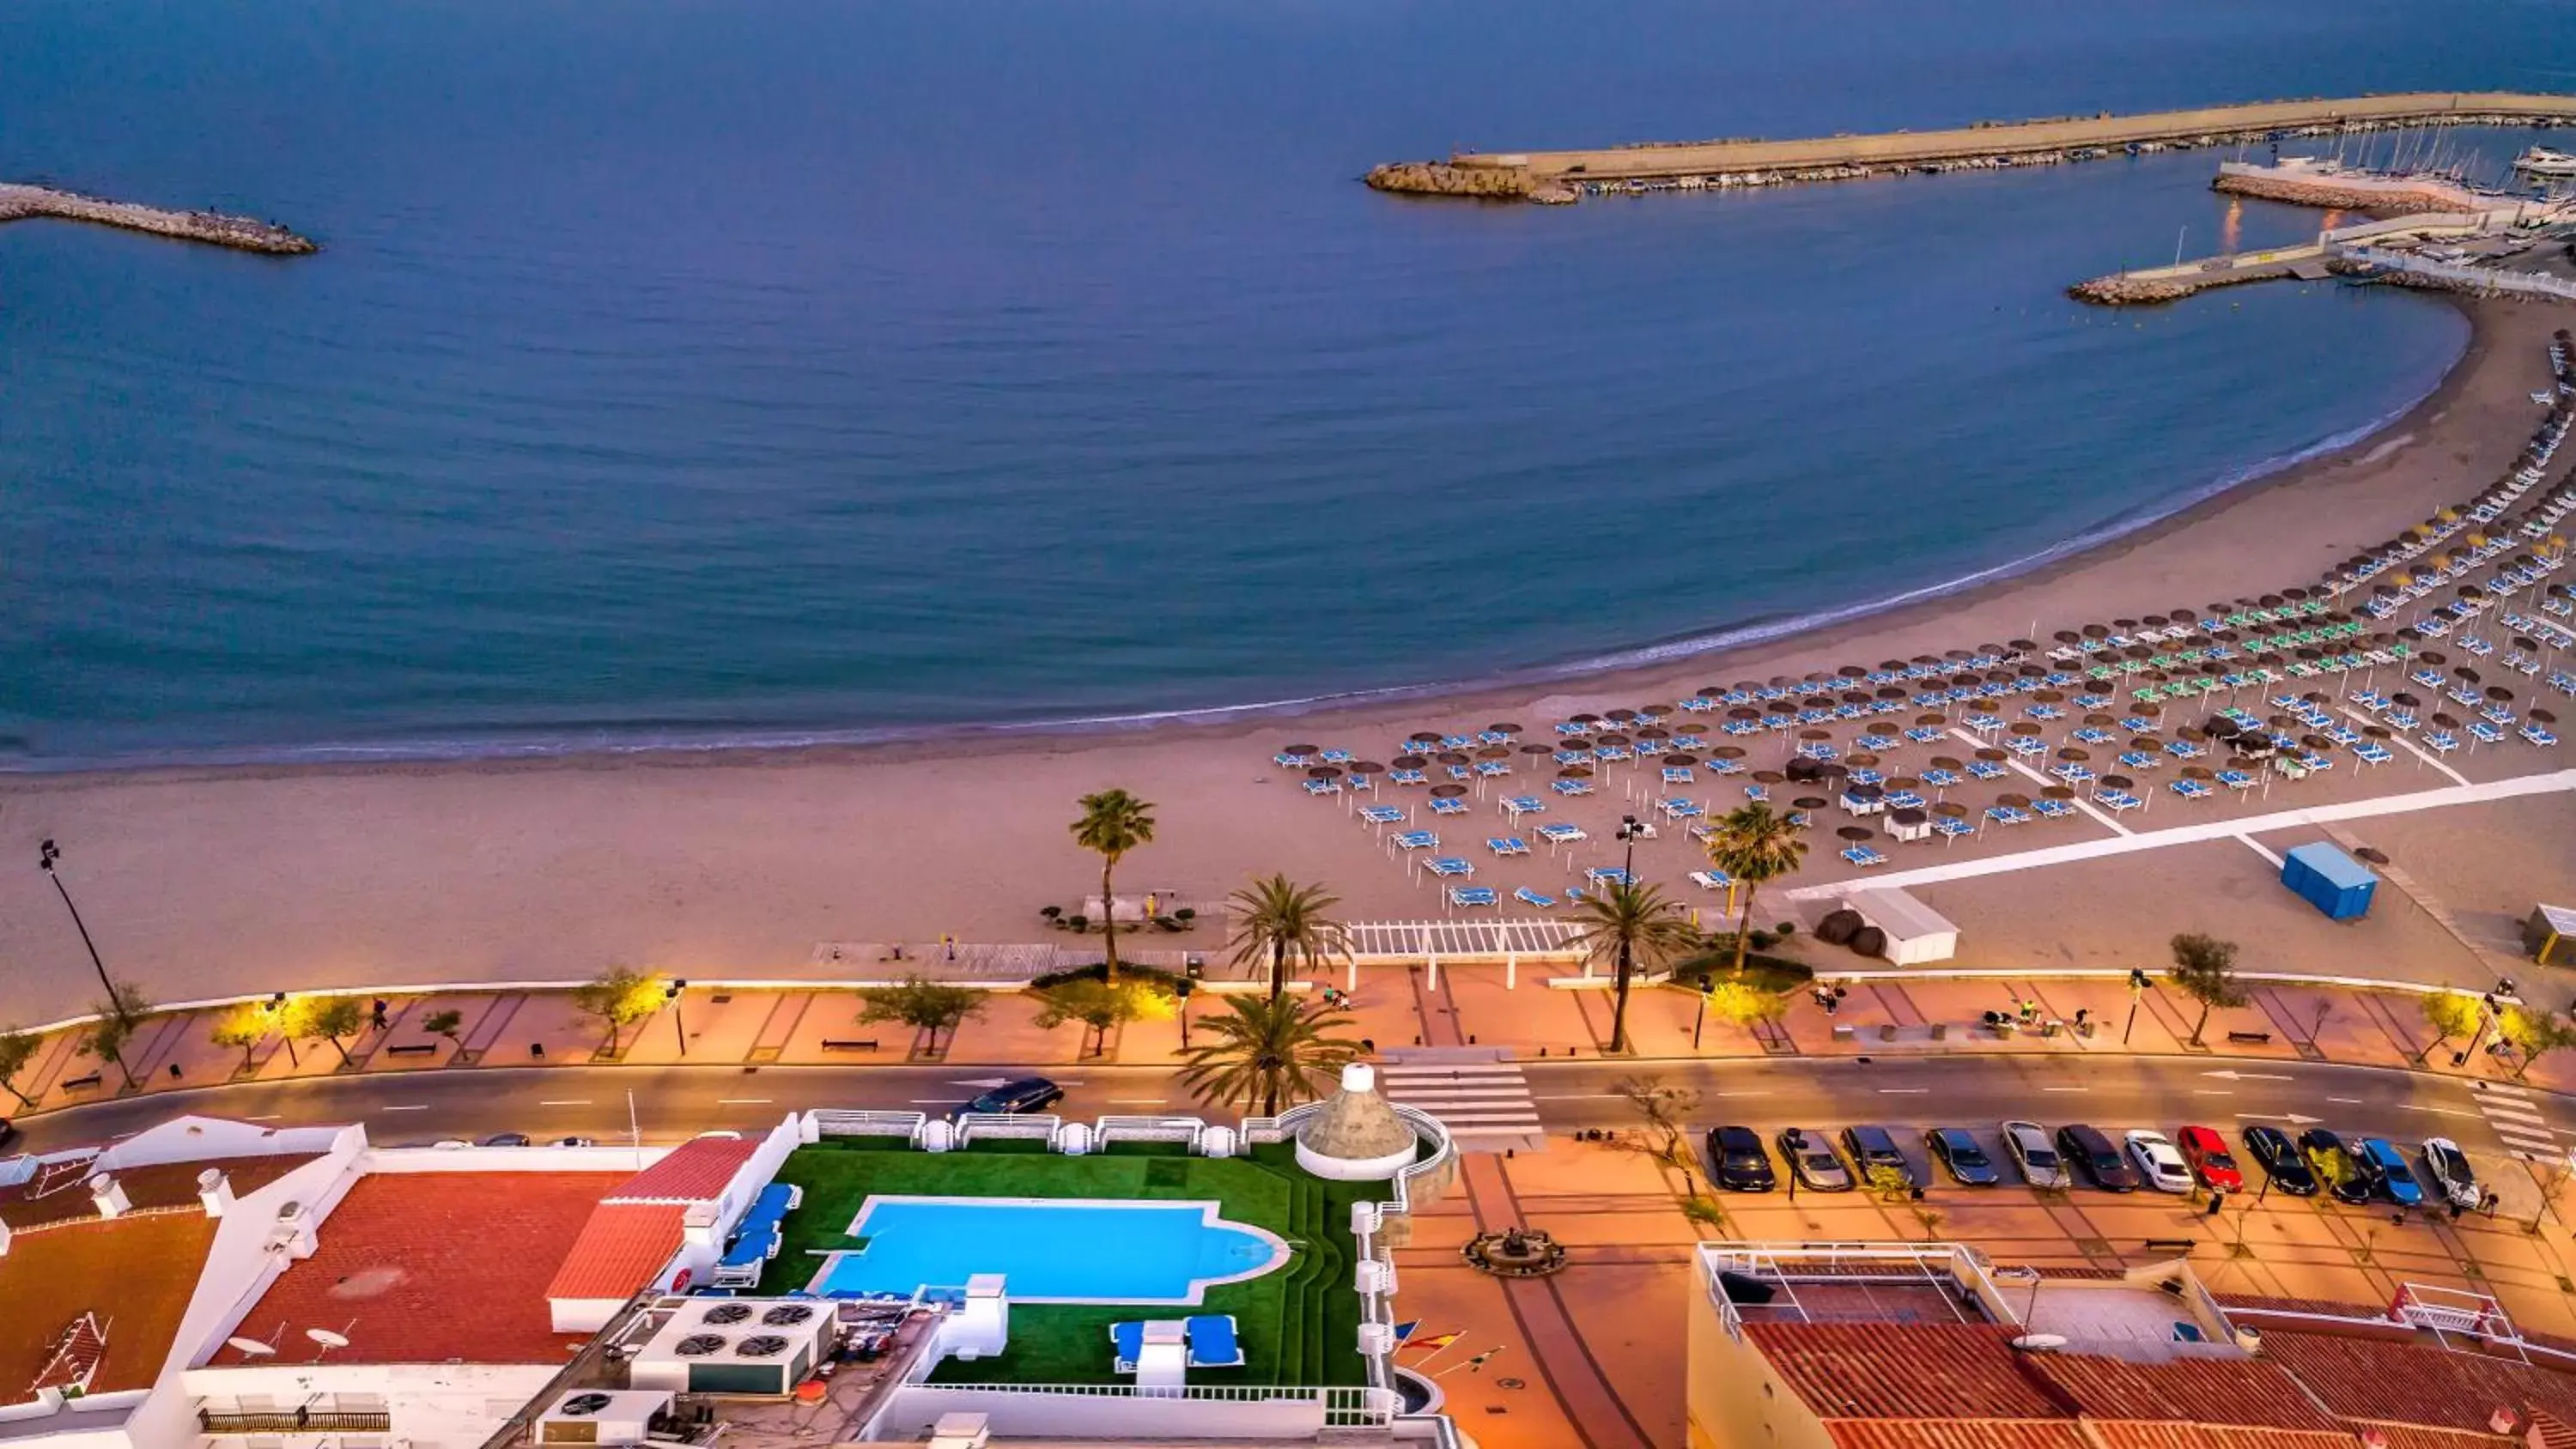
[(1515, 1253)]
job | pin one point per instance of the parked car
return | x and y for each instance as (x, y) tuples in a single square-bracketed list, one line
[(1029, 1094), (2207, 1153), (2389, 1173), (1956, 1149), (507, 1139), (2158, 1160), (2035, 1155), (2444, 1164), (1737, 1161), (1812, 1157), (2342, 1170), (1873, 1150), (2281, 1161), (2092, 1154), (576, 1142)]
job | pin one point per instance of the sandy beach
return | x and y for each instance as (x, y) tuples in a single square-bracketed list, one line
[(205, 883)]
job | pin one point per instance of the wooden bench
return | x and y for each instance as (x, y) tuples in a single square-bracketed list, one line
[(837, 1044), (413, 1049), (2172, 1245), (80, 1084), (2250, 1038)]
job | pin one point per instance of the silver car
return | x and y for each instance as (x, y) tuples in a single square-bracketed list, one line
[(2036, 1155), (1812, 1158)]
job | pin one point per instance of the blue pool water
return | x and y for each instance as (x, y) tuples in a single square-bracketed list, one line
[(1109, 1252)]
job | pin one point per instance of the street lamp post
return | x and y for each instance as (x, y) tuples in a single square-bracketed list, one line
[(46, 855), (679, 1026), (1627, 881), (2137, 993), (1181, 990)]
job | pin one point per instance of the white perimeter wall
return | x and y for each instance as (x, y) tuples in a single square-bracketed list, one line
[(1114, 1418)]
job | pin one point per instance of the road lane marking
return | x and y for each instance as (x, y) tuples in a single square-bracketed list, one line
[(1741, 1094), (2445, 1111), (2347, 1101), (565, 1102), (1582, 1097), (1902, 1091), (2501, 1090), (2211, 1092), (422, 1107), (271, 1117), (1138, 1101), (2066, 1089), (742, 1101)]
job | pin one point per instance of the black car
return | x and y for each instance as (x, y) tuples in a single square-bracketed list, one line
[(1956, 1148), (1737, 1161), (507, 1139), (1029, 1094), (2346, 1173), (2281, 1161), (1873, 1150), (2097, 1157)]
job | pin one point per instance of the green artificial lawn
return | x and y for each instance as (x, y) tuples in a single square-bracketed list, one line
[(1298, 1324)]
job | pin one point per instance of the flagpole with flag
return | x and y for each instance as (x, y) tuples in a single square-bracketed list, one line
[(1438, 1344)]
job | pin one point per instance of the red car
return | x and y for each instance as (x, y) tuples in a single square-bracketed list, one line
[(2206, 1151)]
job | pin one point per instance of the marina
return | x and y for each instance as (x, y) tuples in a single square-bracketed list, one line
[(1565, 176)]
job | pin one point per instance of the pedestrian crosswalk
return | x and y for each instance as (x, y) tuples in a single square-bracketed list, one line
[(1478, 1093), (2514, 1113)]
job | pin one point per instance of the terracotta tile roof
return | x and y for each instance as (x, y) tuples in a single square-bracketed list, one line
[(2172, 1435), (1904, 1371), (2409, 1436), (697, 1170), (620, 1248), (2398, 1382), (435, 1267), (161, 1185), (136, 1273), (2548, 1431), (2243, 1392), (1955, 1434)]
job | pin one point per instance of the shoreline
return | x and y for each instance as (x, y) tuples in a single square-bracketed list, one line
[(785, 864), (1643, 663)]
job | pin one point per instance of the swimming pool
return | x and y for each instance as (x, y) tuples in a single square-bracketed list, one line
[(1053, 1250)]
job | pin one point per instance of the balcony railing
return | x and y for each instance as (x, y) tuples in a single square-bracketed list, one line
[(293, 1421)]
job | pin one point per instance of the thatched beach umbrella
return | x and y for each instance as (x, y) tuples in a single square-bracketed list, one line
[(1861, 760), (1410, 762), (1769, 777), (1535, 748), (1946, 762), (1681, 760), (1808, 802), (2014, 800), (1856, 833), (1502, 729), (1992, 757), (1450, 757), (1622, 716), (1727, 752), (1575, 772), (1301, 749), (1447, 792)]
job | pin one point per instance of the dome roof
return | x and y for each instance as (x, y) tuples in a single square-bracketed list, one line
[(1356, 1124)]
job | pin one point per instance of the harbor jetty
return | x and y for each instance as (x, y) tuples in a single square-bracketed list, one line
[(1561, 176), (241, 233)]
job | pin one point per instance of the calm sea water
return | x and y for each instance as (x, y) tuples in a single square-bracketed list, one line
[(694, 370)]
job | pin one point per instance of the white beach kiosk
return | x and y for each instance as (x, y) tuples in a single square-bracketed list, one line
[(1915, 932)]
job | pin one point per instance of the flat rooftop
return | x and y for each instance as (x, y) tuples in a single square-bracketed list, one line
[(134, 1273), (434, 1267)]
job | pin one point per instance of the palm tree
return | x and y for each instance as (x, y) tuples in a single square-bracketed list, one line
[(1277, 918), (1752, 846), (1630, 925), (1271, 1051), (1113, 823)]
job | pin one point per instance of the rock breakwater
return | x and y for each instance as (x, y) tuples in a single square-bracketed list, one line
[(214, 228), (1440, 178)]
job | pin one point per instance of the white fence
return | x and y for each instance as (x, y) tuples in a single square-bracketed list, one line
[(1114, 1413), (1148, 1129), (838, 1122), (2485, 279), (1039, 1125)]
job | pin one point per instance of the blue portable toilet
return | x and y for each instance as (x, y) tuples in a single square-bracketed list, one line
[(2329, 880)]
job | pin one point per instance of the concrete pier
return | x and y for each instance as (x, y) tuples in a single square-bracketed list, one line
[(1711, 165), (18, 203)]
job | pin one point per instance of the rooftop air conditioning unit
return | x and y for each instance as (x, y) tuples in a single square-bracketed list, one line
[(699, 1345), (605, 1417), (787, 1315), (724, 1313), (761, 1345)]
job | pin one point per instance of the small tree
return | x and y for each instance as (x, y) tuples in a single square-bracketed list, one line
[(17, 1048), (1629, 928), (1268, 1054), (2205, 970), (2450, 1014), (444, 1023), (329, 1018), (245, 1026), (1667, 1111), (928, 1006), (1754, 846), (1889, 1185), (1101, 1006), (118, 1014), (1745, 1004), (620, 996), (2535, 1032)]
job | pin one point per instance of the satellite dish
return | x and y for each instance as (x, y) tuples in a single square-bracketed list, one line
[(328, 1338), (252, 1347)]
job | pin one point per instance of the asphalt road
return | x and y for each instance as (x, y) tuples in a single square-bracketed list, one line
[(667, 1104)]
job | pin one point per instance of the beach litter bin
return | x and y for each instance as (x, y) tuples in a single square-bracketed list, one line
[(2329, 880)]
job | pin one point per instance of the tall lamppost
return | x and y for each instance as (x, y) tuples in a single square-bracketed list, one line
[(1181, 990), (46, 855), (2138, 984), (1627, 881), (679, 1026)]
